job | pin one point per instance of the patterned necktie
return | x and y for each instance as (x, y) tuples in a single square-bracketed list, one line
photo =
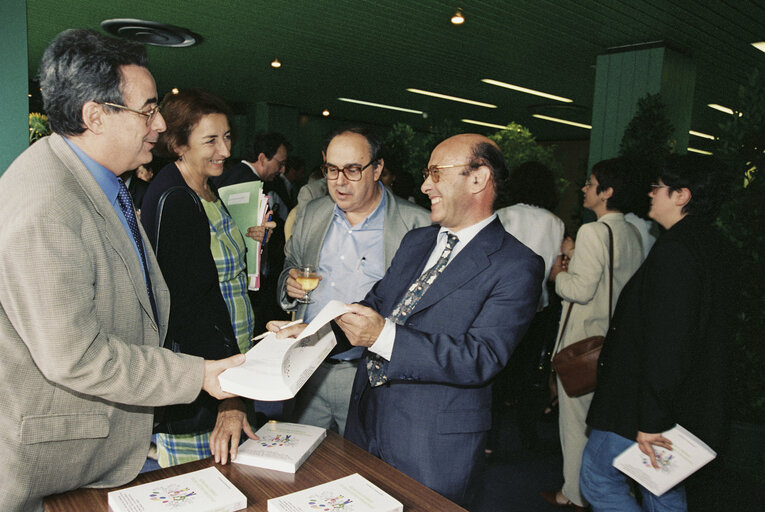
[(123, 197), (376, 365)]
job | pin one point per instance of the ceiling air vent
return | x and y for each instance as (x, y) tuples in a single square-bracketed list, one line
[(151, 32)]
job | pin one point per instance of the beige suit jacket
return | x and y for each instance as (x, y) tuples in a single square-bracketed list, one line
[(80, 370)]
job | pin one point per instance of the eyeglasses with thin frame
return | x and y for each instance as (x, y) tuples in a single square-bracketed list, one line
[(149, 114), (434, 171), (351, 172), (655, 186)]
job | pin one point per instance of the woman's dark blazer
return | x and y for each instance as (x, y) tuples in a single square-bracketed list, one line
[(666, 356), (200, 323)]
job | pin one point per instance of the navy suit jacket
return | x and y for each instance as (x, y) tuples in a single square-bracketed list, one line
[(430, 420)]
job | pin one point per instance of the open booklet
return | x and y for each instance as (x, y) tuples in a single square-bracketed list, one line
[(276, 369), (688, 455), (247, 205)]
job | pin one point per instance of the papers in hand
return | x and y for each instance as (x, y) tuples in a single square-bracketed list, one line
[(206, 490), (280, 446), (247, 205), (688, 455), (276, 369), (353, 492)]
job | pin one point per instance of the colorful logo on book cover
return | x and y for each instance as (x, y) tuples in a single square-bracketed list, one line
[(327, 502), (278, 440), (172, 496), (664, 459)]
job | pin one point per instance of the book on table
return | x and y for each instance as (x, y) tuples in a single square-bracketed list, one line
[(688, 455), (276, 369), (353, 493), (280, 446), (206, 490), (247, 205)]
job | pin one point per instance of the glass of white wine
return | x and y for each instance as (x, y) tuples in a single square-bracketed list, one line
[(308, 280)]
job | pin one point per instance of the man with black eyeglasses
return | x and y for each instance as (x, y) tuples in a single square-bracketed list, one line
[(350, 237)]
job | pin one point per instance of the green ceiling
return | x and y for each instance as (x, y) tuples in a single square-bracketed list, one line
[(374, 50)]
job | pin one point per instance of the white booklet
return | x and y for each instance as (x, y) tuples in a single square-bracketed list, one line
[(276, 369), (353, 493), (206, 490), (280, 446), (247, 205), (688, 455)]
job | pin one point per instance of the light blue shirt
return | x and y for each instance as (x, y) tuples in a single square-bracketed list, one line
[(351, 261), (109, 184)]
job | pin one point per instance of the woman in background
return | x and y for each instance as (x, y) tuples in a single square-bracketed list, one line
[(202, 256), (585, 283)]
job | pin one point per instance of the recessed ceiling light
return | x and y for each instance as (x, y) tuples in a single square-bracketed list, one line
[(526, 90), (452, 98), (458, 18), (760, 46), (562, 121), (481, 123), (276, 64), (699, 151), (174, 90), (325, 112), (703, 135), (381, 105), (720, 108)]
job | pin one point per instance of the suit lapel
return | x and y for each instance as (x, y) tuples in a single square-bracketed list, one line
[(471, 261), (113, 229)]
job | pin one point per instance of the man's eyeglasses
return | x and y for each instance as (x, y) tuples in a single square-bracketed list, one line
[(655, 186), (149, 114), (351, 172), (434, 171)]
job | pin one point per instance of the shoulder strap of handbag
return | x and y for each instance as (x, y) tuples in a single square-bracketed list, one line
[(169, 343), (610, 288), (161, 207)]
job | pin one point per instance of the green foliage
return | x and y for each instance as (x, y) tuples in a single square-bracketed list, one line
[(519, 146), (38, 126), (648, 136), (742, 220)]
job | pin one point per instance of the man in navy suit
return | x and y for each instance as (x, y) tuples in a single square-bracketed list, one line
[(439, 353)]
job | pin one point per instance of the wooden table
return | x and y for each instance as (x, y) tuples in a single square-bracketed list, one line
[(334, 458)]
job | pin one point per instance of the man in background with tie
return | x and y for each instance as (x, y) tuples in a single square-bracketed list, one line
[(441, 324), (83, 306)]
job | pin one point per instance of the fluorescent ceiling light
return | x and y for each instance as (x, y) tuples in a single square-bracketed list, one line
[(760, 46), (481, 123), (380, 105), (720, 108), (452, 98), (527, 91), (700, 151), (703, 135), (562, 121)]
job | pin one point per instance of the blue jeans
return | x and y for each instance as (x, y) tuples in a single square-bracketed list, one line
[(608, 489)]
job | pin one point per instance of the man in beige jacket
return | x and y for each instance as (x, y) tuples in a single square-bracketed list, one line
[(83, 306)]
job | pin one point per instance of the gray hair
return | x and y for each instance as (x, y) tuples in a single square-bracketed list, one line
[(80, 66)]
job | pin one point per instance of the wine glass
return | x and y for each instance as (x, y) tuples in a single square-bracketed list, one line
[(308, 280)]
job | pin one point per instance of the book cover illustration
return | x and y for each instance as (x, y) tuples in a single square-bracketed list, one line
[(281, 446), (352, 493), (205, 490)]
